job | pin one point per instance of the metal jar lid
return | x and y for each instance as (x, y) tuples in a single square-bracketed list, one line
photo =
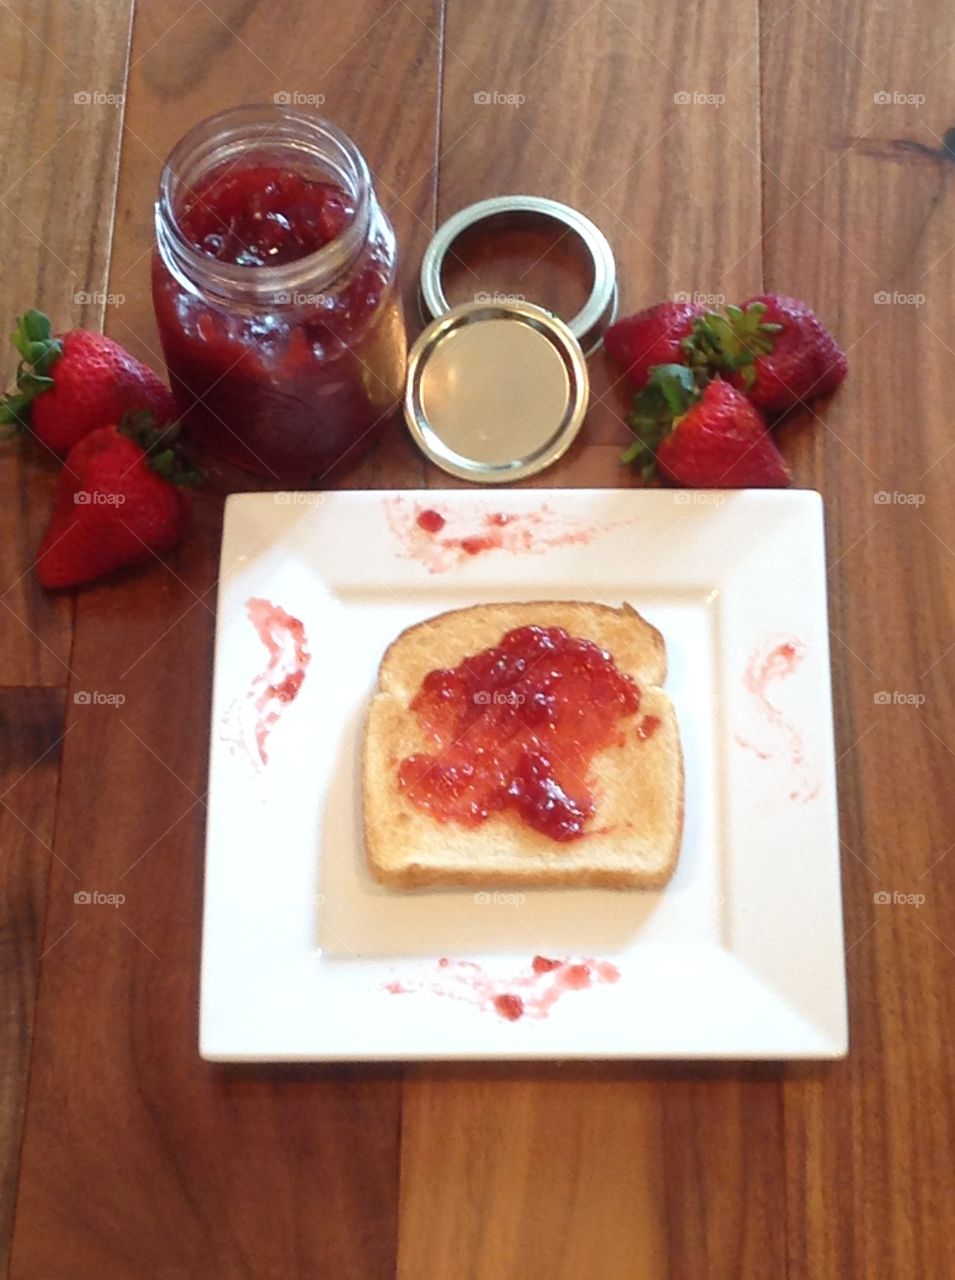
[(496, 391), (600, 309)]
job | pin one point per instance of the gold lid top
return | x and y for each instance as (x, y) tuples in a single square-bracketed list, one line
[(495, 391)]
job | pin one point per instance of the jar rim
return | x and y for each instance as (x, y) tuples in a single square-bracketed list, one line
[(236, 132)]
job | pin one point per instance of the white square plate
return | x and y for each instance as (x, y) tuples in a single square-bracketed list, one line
[(304, 957)]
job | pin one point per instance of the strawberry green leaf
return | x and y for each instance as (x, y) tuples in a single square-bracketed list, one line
[(14, 411), (640, 453), (164, 463), (677, 384), (32, 384), (670, 391), (39, 352), (35, 326), (162, 446), (731, 342), (35, 342)]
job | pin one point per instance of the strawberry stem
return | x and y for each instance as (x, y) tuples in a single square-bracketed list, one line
[(39, 352)]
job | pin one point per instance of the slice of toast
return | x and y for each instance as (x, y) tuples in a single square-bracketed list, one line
[(633, 838)]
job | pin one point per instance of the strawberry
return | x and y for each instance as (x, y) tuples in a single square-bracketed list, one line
[(68, 386), (651, 337), (712, 438), (117, 502), (774, 349)]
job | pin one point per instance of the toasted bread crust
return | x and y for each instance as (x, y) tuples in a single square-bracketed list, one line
[(635, 835)]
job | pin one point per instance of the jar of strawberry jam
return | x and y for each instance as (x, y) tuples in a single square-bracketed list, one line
[(274, 288)]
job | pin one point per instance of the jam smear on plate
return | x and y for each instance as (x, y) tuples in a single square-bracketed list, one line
[(529, 995), (770, 736), (278, 685)]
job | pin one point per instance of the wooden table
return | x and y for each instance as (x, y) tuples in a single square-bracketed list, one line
[(811, 158)]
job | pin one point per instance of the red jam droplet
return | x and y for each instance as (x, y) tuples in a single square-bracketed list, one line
[(541, 964), (509, 1006), (431, 521), (578, 977), (648, 727), (474, 546), (262, 216), (515, 728)]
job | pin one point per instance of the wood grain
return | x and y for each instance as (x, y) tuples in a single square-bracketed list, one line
[(149, 1162), (63, 150), (31, 729), (546, 1167), (858, 202), (602, 1170)]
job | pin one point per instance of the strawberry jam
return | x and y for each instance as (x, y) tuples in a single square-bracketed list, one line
[(509, 1006), (431, 521), (260, 216), (274, 289), (648, 727), (514, 729)]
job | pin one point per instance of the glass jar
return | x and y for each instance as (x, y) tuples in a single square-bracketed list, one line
[(274, 289)]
